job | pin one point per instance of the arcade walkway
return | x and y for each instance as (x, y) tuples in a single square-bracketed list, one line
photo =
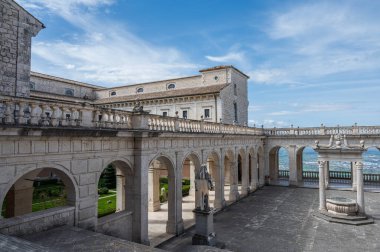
[(280, 219)]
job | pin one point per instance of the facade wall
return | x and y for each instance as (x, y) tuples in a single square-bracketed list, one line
[(229, 96), (151, 87), (17, 28), (59, 86)]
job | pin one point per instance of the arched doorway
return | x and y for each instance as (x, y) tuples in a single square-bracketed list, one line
[(190, 166), (115, 189), (165, 218), (215, 196), (371, 169), (231, 192), (278, 166), (307, 166)]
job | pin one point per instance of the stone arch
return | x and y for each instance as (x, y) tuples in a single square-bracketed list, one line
[(274, 164), (230, 176), (242, 169), (19, 195), (300, 166), (213, 164), (124, 178), (32, 170), (191, 164), (162, 162)]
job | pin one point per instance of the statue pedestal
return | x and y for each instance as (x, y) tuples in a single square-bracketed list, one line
[(204, 228)]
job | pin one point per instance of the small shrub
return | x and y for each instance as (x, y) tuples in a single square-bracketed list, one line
[(185, 181), (185, 190), (103, 190)]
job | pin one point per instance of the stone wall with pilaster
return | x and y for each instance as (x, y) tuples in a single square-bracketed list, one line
[(17, 27)]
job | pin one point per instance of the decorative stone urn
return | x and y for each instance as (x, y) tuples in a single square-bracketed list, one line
[(342, 206)]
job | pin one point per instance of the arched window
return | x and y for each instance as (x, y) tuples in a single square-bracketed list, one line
[(171, 86), (140, 90), (32, 85), (113, 93), (69, 92)]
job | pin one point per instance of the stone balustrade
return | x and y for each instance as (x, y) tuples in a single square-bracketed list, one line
[(323, 130), (27, 111)]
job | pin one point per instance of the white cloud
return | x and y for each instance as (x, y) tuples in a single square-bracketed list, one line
[(268, 76), (105, 52), (229, 57)]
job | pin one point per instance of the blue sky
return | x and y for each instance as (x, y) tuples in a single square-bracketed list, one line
[(310, 62)]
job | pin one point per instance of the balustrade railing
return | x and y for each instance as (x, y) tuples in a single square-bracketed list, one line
[(310, 175), (323, 130), (32, 112), (283, 173)]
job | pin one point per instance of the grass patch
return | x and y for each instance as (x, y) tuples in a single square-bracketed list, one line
[(105, 208)]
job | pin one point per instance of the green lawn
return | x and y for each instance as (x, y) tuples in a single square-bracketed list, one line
[(105, 208)]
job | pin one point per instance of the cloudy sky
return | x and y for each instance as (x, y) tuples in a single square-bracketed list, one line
[(310, 62)]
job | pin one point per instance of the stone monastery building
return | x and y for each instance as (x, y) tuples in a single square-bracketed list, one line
[(218, 94)]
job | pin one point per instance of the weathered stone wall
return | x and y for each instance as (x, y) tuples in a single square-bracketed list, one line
[(38, 222), (229, 97), (17, 27), (117, 225), (150, 87), (55, 85)]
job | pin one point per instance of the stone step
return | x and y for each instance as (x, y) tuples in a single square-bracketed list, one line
[(348, 220)]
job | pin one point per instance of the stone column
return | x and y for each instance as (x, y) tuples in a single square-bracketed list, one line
[(327, 174), (322, 190), (219, 187), (254, 173), (192, 177), (154, 190), (19, 201), (360, 187), (354, 177), (245, 175), (234, 190), (120, 189), (293, 172)]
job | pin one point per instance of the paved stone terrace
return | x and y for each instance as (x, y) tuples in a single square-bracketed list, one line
[(280, 219)]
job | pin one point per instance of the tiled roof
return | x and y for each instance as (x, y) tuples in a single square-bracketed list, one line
[(165, 94)]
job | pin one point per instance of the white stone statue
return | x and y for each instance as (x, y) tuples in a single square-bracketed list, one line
[(203, 184)]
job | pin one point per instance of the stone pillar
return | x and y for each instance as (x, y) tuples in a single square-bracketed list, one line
[(327, 174), (175, 222), (245, 175), (19, 201), (354, 177), (322, 189), (192, 177), (293, 172), (254, 173), (234, 190), (34, 113), (219, 187), (360, 187), (120, 189), (21, 114), (154, 190)]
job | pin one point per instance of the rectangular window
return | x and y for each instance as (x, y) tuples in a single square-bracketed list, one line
[(184, 114), (236, 112), (165, 113), (207, 113)]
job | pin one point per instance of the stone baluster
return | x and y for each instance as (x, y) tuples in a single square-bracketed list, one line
[(35, 116), (322, 189), (73, 117), (96, 118), (104, 119), (45, 115), (55, 116), (8, 113), (21, 114), (64, 118), (79, 117)]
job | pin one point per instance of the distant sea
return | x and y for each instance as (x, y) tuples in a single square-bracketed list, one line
[(371, 160)]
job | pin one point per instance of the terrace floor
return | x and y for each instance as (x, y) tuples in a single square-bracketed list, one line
[(281, 219)]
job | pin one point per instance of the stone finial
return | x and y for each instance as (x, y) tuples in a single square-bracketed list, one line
[(316, 144), (362, 142)]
